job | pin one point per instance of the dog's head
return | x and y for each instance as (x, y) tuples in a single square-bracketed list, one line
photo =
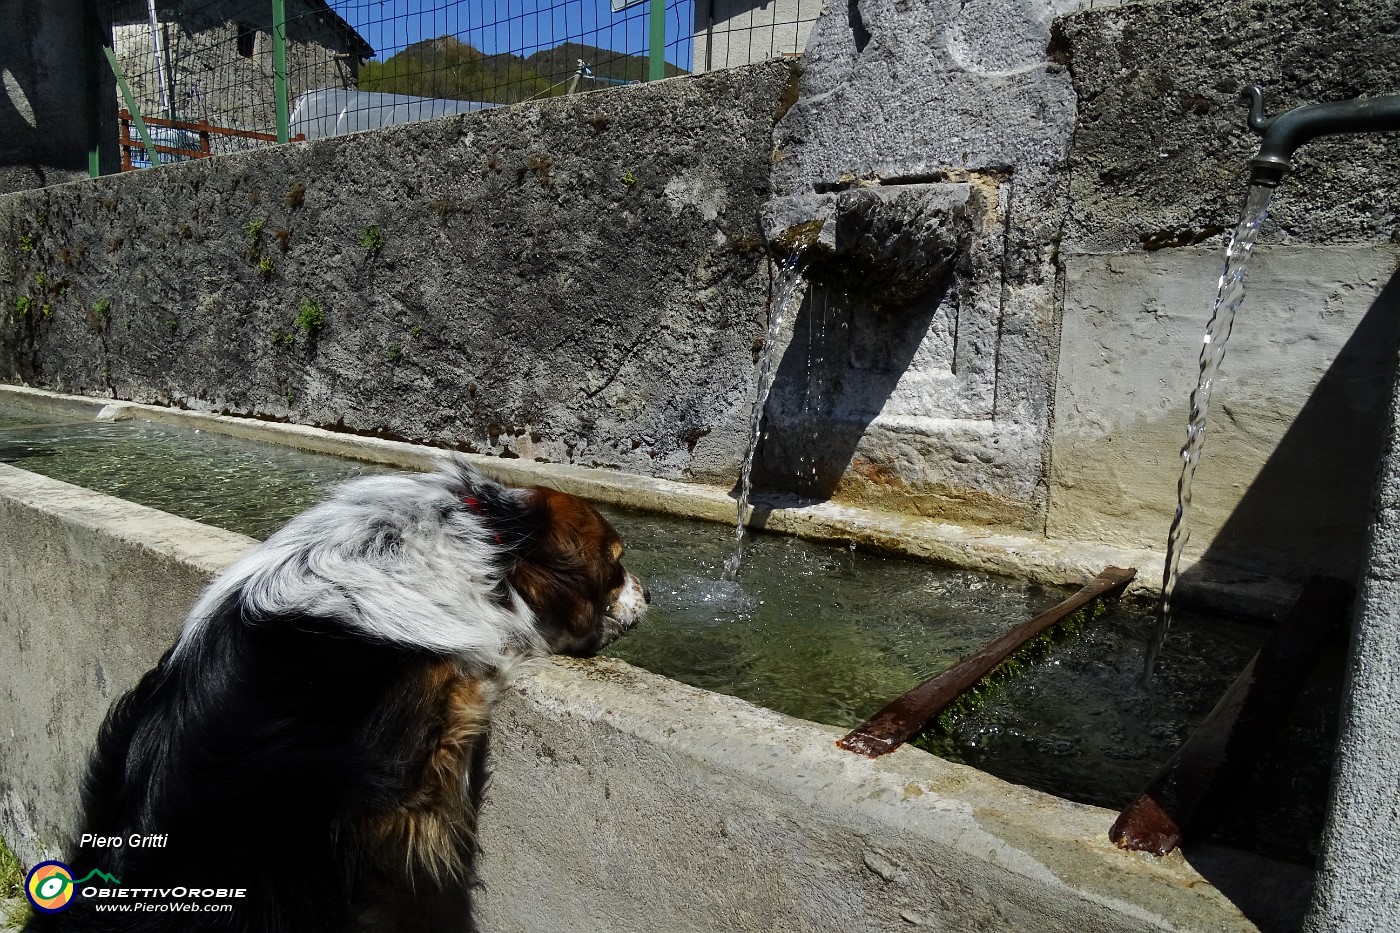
[(570, 574), (449, 561)]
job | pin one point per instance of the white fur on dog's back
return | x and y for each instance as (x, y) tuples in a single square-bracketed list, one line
[(395, 557)]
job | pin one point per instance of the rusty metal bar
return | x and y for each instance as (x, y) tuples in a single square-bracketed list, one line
[(203, 126), (898, 722), (1195, 781), (205, 130), (127, 144)]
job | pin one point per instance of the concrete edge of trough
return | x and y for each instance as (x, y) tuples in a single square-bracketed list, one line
[(912, 806), (931, 826), (1060, 562)]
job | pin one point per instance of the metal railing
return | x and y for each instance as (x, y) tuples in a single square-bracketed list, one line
[(252, 72), (183, 140)]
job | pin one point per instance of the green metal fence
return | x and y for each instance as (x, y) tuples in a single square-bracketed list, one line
[(207, 77)]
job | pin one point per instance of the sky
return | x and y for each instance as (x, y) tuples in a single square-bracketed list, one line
[(519, 26)]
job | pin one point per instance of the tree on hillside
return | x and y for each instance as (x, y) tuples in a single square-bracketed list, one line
[(447, 68)]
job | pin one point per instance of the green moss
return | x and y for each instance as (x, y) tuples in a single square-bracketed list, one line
[(11, 874), (628, 178), (253, 230), (26, 242), (23, 304), (937, 736), (266, 267), (12, 890), (799, 236), (395, 351), (99, 315), (311, 317), (372, 239)]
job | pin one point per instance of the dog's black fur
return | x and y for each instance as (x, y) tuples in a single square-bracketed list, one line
[(322, 772)]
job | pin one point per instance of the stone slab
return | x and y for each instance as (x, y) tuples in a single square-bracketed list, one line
[(1160, 148), (1297, 420)]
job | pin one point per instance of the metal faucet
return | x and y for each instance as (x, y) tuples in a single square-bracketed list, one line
[(1287, 131)]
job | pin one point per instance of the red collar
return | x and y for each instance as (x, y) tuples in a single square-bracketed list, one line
[(473, 503)]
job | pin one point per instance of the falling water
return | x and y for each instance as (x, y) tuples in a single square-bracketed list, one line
[(788, 290), (1228, 298)]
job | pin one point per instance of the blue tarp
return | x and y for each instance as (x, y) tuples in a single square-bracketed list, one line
[(165, 136)]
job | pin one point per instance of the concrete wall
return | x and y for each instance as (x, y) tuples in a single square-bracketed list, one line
[(1358, 891), (1158, 176), (619, 801), (92, 592), (729, 33), (580, 280)]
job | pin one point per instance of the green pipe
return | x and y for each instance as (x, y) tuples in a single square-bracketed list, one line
[(279, 69), (132, 106), (92, 67), (656, 47)]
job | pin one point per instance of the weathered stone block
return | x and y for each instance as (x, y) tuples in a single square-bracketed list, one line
[(1161, 145), (889, 245)]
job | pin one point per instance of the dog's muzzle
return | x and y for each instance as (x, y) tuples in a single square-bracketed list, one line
[(630, 605)]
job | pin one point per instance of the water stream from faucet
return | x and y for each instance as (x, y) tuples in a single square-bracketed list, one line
[(1228, 298), (788, 290)]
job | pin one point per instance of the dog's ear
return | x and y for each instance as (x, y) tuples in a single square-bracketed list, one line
[(515, 517), (461, 472)]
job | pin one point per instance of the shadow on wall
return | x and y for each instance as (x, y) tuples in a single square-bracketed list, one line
[(50, 74), (1318, 483), (836, 376)]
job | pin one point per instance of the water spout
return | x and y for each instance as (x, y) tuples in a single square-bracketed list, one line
[(1284, 133), (789, 287), (1229, 295)]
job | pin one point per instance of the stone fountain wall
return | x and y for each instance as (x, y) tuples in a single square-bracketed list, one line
[(1025, 216), (580, 280), (1041, 378), (937, 400), (1158, 175)]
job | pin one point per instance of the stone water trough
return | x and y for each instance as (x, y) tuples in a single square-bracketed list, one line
[(1022, 221), (619, 800)]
